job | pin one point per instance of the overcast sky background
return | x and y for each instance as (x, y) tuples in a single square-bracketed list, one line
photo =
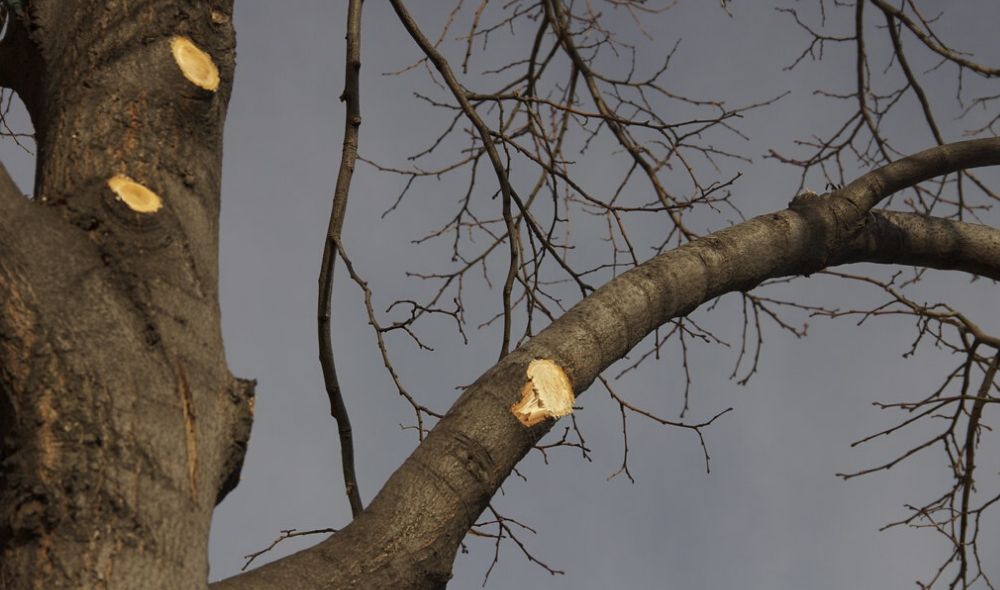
[(771, 514)]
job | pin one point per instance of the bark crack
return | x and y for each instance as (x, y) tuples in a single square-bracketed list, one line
[(190, 433)]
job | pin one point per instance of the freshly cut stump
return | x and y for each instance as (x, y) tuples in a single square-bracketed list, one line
[(136, 196), (548, 393), (196, 65)]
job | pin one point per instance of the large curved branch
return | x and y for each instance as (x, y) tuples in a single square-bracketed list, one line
[(413, 527)]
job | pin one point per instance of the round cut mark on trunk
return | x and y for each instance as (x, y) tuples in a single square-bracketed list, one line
[(136, 196), (196, 65)]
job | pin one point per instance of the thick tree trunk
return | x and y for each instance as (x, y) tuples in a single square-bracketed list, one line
[(121, 425)]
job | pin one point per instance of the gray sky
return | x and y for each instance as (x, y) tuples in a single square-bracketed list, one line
[(771, 514)]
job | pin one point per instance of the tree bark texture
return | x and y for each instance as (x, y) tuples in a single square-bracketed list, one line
[(120, 424)]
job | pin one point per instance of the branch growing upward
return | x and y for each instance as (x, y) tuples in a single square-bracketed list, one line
[(349, 154)]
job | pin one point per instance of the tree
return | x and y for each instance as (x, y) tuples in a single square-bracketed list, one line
[(122, 426)]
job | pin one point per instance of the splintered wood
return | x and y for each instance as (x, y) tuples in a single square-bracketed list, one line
[(548, 393)]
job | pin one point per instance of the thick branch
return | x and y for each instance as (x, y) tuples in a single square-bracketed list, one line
[(870, 189), (409, 534), (892, 237)]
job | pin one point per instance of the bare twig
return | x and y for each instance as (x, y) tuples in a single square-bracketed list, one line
[(285, 534)]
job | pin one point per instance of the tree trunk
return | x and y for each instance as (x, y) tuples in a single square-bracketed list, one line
[(121, 425)]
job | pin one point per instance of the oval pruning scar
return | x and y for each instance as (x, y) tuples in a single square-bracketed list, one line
[(547, 394), (196, 65), (137, 197)]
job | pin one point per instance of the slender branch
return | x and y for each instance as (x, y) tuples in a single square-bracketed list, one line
[(348, 156), (285, 534), (933, 45), (971, 436), (555, 15), (486, 136), (861, 67), (911, 79)]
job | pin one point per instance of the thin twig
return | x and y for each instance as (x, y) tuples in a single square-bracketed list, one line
[(285, 534)]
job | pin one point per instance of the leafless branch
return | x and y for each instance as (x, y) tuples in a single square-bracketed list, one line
[(351, 97)]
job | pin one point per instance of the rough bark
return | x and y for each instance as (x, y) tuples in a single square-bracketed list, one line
[(120, 425)]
